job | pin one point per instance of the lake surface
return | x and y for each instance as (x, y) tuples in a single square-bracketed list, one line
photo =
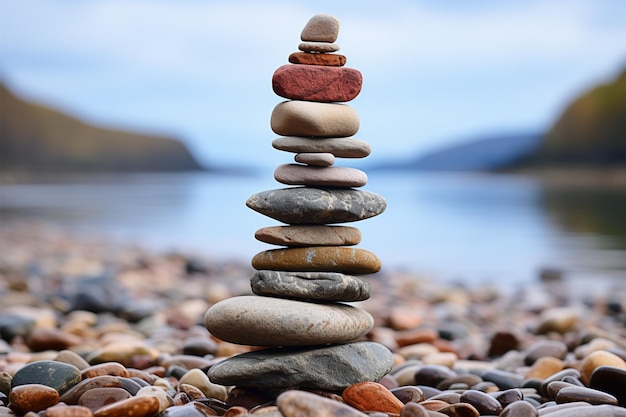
[(473, 228)]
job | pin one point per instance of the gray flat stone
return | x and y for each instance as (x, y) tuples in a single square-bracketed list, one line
[(297, 174), (268, 321), (331, 368), (340, 147), (320, 159), (309, 235), (329, 286), (308, 205)]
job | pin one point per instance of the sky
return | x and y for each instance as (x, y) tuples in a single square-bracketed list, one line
[(435, 73)]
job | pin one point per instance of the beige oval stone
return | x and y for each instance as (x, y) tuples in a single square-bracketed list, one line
[(307, 118), (321, 28), (267, 321), (318, 47), (318, 259), (597, 359), (296, 174), (320, 159), (200, 380), (339, 147), (544, 367), (309, 235)]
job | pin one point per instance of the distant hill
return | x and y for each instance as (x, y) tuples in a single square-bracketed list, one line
[(591, 131), (480, 154), (37, 138)]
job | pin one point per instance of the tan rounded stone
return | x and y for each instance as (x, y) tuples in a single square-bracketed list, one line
[(321, 159), (597, 359), (310, 119), (544, 367), (321, 28), (318, 258)]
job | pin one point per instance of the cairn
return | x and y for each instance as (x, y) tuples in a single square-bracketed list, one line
[(311, 337)]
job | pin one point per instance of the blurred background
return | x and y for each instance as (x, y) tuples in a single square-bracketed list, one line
[(498, 129)]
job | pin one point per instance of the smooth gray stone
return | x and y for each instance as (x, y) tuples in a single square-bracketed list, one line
[(583, 410), (328, 286), (331, 368), (269, 321), (340, 147), (519, 409), (307, 205), (58, 375)]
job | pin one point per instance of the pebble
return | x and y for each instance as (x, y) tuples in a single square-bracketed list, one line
[(296, 403), (32, 397), (318, 259), (297, 174), (591, 396), (97, 398), (372, 396), (558, 319), (545, 348), (317, 83), (322, 47), (330, 60), (321, 159), (305, 205), (597, 359), (141, 406), (484, 403), (299, 367), (544, 367), (321, 28), (610, 379), (200, 380), (309, 235), (311, 119), (57, 375), (328, 286), (73, 395), (266, 321), (519, 409), (339, 147)]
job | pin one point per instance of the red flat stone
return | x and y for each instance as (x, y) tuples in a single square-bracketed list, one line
[(306, 58), (317, 83)]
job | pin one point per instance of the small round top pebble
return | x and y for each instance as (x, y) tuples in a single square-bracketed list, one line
[(321, 28)]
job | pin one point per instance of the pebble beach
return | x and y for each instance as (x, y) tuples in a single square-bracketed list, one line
[(103, 328)]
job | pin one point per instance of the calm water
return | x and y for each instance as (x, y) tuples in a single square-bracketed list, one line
[(455, 227)]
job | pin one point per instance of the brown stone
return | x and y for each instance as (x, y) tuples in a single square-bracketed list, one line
[(41, 339), (108, 368), (459, 410), (73, 394), (143, 406), (519, 409), (309, 235), (372, 396), (415, 336), (97, 398), (413, 410), (330, 60), (32, 397), (318, 258), (317, 83)]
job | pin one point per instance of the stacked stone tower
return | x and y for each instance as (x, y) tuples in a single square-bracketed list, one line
[(311, 337)]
